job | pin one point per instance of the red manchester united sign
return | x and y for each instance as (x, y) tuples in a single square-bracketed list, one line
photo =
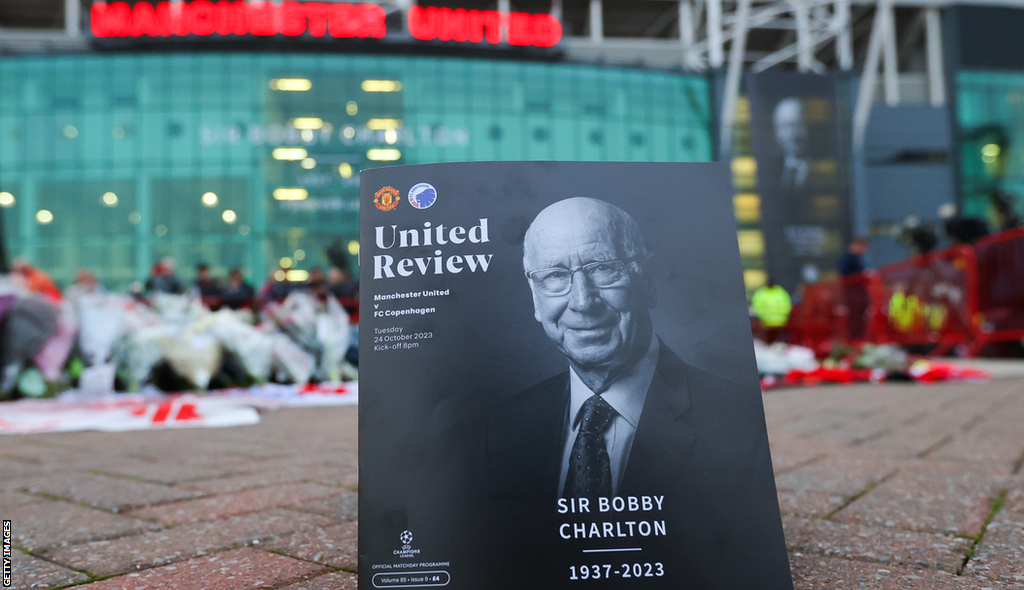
[(206, 18)]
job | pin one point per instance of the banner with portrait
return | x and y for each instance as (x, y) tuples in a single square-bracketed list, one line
[(797, 134), (557, 383)]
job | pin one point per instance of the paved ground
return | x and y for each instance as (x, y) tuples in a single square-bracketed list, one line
[(882, 487)]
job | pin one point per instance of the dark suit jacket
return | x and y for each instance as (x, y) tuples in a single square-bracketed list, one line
[(701, 443)]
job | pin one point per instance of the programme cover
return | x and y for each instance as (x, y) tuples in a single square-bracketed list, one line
[(557, 382)]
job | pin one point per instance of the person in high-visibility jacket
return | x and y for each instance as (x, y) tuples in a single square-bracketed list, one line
[(771, 305)]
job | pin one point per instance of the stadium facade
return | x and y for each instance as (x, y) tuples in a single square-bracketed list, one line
[(232, 133)]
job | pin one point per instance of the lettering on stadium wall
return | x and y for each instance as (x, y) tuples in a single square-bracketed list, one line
[(207, 18), (475, 26), (276, 134)]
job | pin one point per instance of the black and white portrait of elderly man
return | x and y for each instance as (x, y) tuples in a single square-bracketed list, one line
[(628, 417), (791, 134)]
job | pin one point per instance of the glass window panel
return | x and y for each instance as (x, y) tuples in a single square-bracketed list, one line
[(162, 129)]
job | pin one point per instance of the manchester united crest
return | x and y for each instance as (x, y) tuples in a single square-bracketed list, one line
[(386, 198)]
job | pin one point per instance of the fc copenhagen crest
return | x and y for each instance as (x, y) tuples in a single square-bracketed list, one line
[(386, 198), (422, 195)]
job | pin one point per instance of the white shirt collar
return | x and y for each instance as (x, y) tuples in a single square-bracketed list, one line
[(626, 395)]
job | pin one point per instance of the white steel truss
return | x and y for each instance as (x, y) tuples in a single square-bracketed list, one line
[(706, 27)]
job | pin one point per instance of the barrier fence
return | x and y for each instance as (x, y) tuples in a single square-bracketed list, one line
[(999, 316), (962, 297)]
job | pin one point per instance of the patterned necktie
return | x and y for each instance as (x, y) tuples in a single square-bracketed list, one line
[(590, 472)]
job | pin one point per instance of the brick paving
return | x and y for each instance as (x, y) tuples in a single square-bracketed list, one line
[(894, 486), (230, 504)]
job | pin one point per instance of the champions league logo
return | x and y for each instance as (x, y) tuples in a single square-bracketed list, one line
[(422, 195), (406, 550)]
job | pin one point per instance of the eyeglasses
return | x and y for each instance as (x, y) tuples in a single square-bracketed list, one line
[(603, 274)]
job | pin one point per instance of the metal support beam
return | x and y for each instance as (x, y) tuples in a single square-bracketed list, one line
[(844, 37), (596, 21), (687, 32), (910, 37), (662, 23), (765, 16), (868, 80), (933, 47), (803, 36), (891, 69), (556, 9), (777, 57), (403, 6), (72, 18), (716, 53), (732, 77), (707, 27)]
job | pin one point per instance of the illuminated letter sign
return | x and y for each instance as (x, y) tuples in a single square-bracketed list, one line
[(428, 23), (205, 18)]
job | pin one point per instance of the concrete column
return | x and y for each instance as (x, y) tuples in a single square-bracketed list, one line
[(596, 21)]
